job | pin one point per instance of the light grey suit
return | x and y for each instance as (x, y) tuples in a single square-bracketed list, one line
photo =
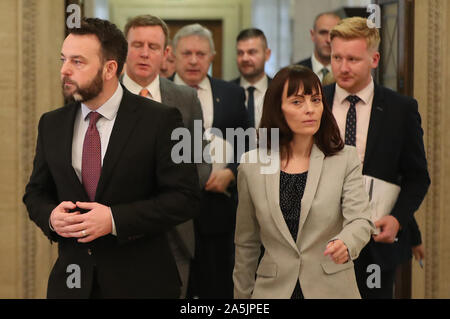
[(181, 238), (334, 206)]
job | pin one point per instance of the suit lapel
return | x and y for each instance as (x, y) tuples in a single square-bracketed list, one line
[(123, 126), (217, 102), (166, 97), (314, 172), (329, 94), (273, 197), (377, 115), (66, 127)]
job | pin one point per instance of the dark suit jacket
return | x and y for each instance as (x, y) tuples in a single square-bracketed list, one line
[(238, 80), (148, 195), (306, 62), (218, 211), (185, 99), (394, 153)]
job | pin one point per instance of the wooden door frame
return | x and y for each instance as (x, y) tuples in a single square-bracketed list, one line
[(405, 86)]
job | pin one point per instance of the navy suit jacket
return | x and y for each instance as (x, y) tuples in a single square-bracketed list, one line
[(218, 211), (306, 62), (238, 80), (394, 153)]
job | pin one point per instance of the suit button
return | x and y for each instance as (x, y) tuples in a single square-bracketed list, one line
[(89, 252)]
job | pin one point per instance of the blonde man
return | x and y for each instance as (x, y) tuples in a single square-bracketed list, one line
[(385, 128)]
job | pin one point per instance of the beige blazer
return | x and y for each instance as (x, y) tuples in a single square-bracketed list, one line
[(334, 206)]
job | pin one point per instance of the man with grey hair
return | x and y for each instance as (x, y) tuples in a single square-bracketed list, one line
[(223, 106), (320, 60)]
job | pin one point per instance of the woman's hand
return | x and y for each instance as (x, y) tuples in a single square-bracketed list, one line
[(337, 251)]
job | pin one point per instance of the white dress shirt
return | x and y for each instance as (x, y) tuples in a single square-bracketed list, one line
[(363, 109), (317, 67), (204, 93), (105, 125), (135, 88), (260, 91)]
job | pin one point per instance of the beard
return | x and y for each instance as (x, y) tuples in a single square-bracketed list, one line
[(83, 93), (253, 72)]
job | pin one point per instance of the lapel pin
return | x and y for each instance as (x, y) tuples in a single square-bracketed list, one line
[(379, 108), (217, 100)]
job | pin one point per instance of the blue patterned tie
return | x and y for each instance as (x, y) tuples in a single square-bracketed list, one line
[(350, 124)]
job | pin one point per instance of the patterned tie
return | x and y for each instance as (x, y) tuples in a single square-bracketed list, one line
[(251, 106), (324, 72), (350, 125), (145, 93), (92, 157)]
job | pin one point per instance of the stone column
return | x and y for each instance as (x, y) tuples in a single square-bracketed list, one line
[(31, 36), (432, 90)]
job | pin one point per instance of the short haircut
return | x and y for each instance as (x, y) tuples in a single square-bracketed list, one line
[(327, 137), (112, 42), (147, 20), (330, 13), (191, 30), (252, 33), (354, 28)]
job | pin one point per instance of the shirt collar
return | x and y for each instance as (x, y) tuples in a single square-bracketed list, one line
[(135, 88), (365, 94), (178, 80), (261, 85), (203, 85), (317, 66), (109, 109)]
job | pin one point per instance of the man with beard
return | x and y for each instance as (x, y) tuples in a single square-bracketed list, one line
[(103, 184), (252, 55), (320, 61)]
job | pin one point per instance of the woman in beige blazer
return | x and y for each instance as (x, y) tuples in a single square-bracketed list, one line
[(312, 215)]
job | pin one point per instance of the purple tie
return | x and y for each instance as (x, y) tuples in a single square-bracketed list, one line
[(92, 157)]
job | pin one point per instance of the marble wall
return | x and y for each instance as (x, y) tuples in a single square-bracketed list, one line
[(431, 89), (29, 86)]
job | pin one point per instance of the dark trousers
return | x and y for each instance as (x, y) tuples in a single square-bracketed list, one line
[(385, 289), (95, 292), (213, 266)]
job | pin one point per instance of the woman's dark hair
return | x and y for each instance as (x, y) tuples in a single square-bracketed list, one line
[(112, 41), (327, 137)]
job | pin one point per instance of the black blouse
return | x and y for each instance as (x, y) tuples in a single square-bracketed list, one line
[(292, 187)]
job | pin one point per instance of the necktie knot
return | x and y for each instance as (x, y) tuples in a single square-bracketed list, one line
[(145, 93), (93, 118), (325, 71), (353, 99), (195, 86), (251, 89)]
